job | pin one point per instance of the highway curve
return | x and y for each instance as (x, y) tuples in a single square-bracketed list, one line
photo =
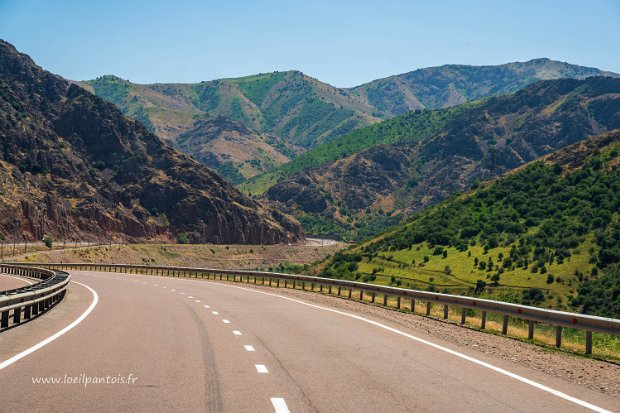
[(10, 282), (202, 346)]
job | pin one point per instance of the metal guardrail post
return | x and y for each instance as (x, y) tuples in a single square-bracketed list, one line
[(445, 311), (483, 324), (588, 342), (463, 315), (558, 336), (428, 308), (505, 325), (530, 330)]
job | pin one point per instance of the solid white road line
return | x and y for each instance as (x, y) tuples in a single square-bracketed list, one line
[(54, 336), (226, 321), (237, 332), (279, 405), (436, 346), (261, 368), (249, 348)]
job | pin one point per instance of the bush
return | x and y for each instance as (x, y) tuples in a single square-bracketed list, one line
[(550, 279), (532, 296), (183, 238), (47, 240)]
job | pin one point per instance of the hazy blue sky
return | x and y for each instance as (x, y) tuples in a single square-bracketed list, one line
[(344, 43)]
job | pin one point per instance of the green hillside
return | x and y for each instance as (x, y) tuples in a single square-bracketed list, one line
[(410, 127), (547, 234), (294, 112), (356, 185)]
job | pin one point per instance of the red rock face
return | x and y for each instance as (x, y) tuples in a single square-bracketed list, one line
[(72, 166)]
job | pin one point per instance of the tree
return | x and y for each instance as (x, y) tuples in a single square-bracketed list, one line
[(495, 278), (47, 240), (532, 296), (182, 238)]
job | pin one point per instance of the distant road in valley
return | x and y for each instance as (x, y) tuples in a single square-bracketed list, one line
[(203, 346)]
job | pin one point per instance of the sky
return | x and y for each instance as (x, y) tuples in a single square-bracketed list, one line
[(341, 42)]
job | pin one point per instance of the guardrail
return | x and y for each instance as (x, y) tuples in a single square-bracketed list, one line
[(533, 315), (22, 304)]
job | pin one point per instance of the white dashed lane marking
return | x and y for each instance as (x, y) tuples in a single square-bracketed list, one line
[(249, 348), (261, 368), (237, 332), (279, 405), (215, 312), (226, 321)]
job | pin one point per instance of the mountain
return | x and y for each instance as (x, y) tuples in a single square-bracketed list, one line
[(451, 85), (231, 149), (291, 106), (545, 234), (72, 166), (294, 112), (428, 156)]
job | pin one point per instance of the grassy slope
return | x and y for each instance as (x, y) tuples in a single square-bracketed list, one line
[(565, 222), (410, 127)]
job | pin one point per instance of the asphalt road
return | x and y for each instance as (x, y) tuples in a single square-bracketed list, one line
[(10, 282), (196, 346)]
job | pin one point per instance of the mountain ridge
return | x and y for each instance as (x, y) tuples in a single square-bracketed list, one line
[(72, 166), (297, 112), (474, 142)]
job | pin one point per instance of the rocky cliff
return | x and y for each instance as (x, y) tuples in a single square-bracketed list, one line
[(72, 166)]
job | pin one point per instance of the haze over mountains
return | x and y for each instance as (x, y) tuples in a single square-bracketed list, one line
[(72, 166), (292, 112)]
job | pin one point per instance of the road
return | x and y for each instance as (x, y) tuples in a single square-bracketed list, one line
[(10, 282), (196, 346)]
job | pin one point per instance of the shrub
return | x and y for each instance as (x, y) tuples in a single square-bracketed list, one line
[(47, 240), (183, 238)]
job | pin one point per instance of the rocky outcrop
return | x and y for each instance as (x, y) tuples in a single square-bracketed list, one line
[(72, 166)]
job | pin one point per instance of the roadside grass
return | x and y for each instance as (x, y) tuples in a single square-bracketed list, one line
[(457, 272)]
